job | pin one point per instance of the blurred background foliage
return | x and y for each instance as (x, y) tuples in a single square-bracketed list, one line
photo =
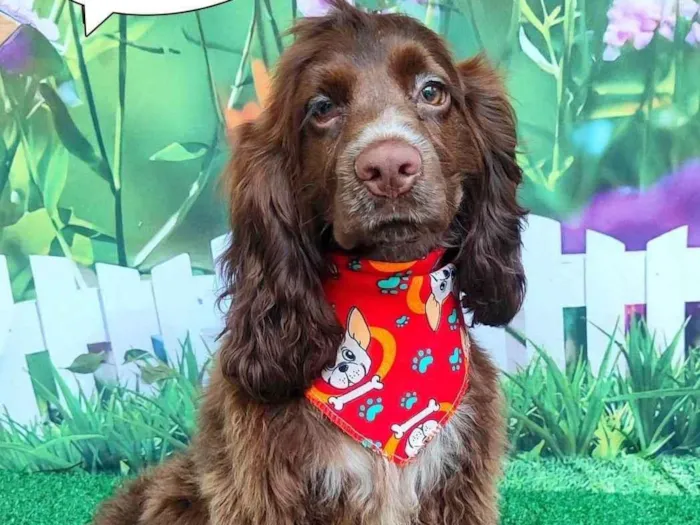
[(111, 145)]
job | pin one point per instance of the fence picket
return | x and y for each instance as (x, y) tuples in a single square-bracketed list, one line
[(130, 316), (209, 317), (25, 337), (176, 306), (605, 301), (6, 303), (665, 284), (63, 312), (544, 299)]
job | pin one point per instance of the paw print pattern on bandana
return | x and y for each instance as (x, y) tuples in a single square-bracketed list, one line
[(422, 361), (355, 265), (453, 320), (371, 409), (394, 284), (402, 321), (408, 400), (456, 360)]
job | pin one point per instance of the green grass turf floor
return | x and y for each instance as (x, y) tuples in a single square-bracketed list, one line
[(533, 492)]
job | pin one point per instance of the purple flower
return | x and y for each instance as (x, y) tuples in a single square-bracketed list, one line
[(636, 21), (636, 216), (316, 7), (630, 21), (693, 37)]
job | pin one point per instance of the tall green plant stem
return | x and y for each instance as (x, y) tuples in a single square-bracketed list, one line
[(90, 98), (257, 15), (119, 145), (275, 28), (238, 80)]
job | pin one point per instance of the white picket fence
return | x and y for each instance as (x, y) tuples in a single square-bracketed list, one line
[(127, 311)]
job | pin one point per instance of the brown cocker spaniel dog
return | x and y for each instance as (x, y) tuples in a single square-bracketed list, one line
[(263, 454)]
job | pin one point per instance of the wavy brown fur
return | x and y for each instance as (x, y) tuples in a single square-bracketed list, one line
[(263, 455)]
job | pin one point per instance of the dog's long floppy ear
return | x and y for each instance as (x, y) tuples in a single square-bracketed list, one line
[(280, 331), (490, 270)]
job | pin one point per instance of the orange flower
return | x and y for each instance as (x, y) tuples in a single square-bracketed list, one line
[(251, 110)]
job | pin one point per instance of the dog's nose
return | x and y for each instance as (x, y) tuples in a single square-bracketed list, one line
[(389, 168), (343, 368)]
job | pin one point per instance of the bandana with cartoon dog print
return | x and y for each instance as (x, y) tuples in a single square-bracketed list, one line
[(403, 365)]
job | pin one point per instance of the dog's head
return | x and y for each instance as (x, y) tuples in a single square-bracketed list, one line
[(442, 284), (374, 141), (352, 363)]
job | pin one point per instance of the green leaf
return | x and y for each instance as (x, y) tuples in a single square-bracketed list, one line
[(180, 152), (31, 234), (7, 158), (656, 394), (534, 453), (554, 14), (534, 54), (87, 363), (151, 374), (136, 354), (53, 173), (71, 137), (74, 225), (530, 16)]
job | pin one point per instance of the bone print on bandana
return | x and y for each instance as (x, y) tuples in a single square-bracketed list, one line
[(402, 367)]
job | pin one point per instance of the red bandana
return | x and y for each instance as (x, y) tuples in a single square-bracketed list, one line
[(403, 366)]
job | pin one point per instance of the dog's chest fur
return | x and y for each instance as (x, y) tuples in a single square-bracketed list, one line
[(389, 493)]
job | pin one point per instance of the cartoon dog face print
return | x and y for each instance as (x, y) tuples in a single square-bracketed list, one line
[(352, 363), (419, 436), (442, 285)]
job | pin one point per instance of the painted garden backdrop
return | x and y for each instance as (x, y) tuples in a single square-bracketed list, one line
[(110, 219)]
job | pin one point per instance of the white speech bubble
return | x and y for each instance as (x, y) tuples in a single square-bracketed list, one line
[(97, 11)]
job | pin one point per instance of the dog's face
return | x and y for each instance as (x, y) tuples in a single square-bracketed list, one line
[(352, 363), (442, 283), (385, 141)]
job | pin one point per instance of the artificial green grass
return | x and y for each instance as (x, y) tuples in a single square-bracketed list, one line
[(627, 491)]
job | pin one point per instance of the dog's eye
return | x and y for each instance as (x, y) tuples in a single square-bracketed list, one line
[(348, 355), (323, 110), (433, 93)]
